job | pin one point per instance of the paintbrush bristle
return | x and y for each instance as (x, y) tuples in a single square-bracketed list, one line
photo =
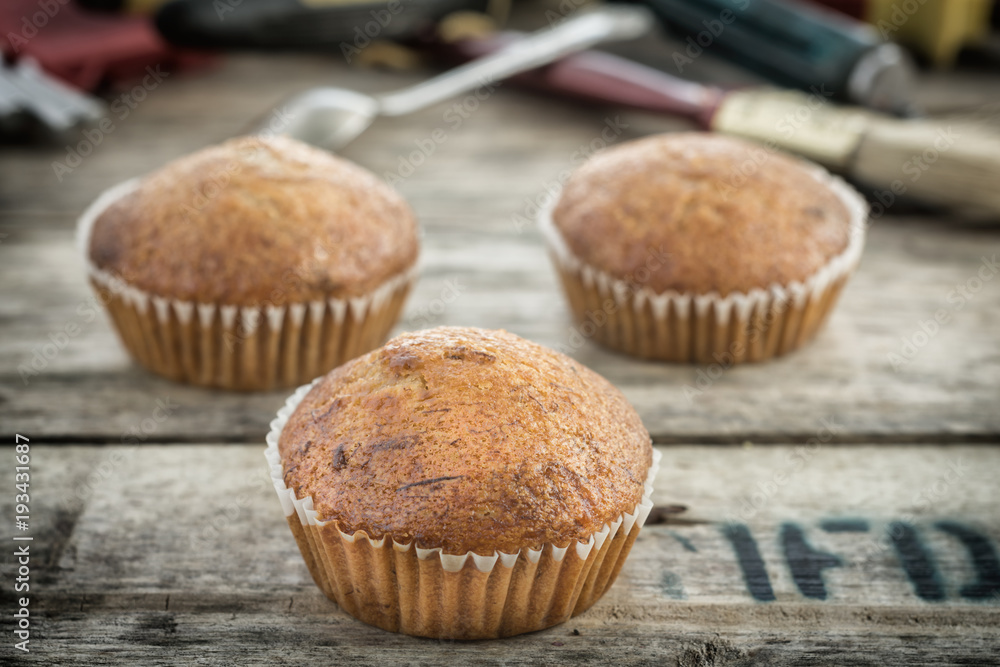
[(956, 164)]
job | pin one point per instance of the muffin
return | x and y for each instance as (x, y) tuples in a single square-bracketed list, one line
[(254, 264), (462, 483), (697, 247)]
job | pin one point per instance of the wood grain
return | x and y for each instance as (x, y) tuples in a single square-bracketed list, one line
[(499, 276), (503, 280), (166, 545), (150, 554)]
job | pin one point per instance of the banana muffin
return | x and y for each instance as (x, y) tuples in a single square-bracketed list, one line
[(257, 263), (702, 247), (462, 483)]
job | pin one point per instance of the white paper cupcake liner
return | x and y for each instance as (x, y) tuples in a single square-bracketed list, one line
[(706, 328), (233, 347), (426, 592)]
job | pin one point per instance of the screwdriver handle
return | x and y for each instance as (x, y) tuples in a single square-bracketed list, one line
[(793, 44)]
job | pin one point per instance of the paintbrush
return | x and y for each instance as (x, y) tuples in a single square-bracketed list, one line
[(951, 163)]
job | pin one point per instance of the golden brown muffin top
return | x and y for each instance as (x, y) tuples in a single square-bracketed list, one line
[(468, 440), (257, 220), (678, 205)]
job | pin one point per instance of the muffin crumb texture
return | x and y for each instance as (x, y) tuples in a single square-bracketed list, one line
[(257, 220), (467, 440), (700, 213)]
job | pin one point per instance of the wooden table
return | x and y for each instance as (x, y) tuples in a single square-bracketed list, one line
[(825, 508)]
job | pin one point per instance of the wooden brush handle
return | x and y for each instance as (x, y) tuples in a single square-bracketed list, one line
[(941, 162), (951, 164), (603, 77)]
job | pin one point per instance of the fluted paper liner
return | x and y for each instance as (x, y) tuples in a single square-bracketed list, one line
[(246, 348), (429, 593), (706, 328)]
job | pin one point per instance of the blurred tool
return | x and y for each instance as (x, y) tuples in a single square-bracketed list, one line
[(127, 6), (944, 163), (299, 24), (86, 50), (795, 45), (936, 29), (28, 95), (333, 117)]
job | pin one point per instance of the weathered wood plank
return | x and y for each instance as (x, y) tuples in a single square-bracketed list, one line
[(178, 554), (154, 554), (502, 279), (949, 389), (159, 637)]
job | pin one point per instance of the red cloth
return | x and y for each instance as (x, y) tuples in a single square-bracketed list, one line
[(85, 49)]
